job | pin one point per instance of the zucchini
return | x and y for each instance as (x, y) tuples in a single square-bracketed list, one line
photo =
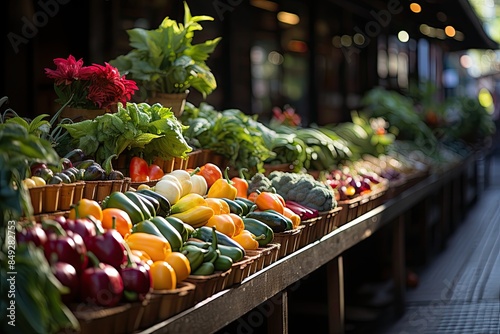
[(234, 207), (184, 229), (276, 221), (141, 204), (165, 206), (258, 228), (152, 200), (169, 232)]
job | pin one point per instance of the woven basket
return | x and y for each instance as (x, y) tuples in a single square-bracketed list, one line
[(98, 190), (309, 231), (163, 304), (208, 285), (288, 240), (124, 318), (239, 271), (264, 256), (329, 221)]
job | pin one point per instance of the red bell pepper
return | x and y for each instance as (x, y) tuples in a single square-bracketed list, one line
[(139, 170), (66, 274), (64, 246), (101, 284), (108, 247), (137, 281)]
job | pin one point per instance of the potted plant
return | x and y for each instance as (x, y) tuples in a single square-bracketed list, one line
[(165, 61), (88, 91)]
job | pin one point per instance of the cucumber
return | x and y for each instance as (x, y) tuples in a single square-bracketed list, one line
[(146, 208), (205, 233), (258, 228)]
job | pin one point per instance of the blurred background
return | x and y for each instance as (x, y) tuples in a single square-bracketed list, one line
[(320, 57)]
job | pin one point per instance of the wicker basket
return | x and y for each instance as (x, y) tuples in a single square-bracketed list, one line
[(264, 256), (288, 240), (163, 304), (151, 183), (124, 318), (309, 231), (239, 271), (329, 221), (98, 190), (208, 285)]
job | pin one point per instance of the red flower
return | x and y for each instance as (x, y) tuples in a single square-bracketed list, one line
[(68, 70), (91, 87)]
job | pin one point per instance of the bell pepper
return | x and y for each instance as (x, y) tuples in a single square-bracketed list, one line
[(218, 205), (187, 202), (139, 170), (295, 218), (108, 247), (196, 216), (101, 284), (67, 275), (238, 223), (266, 200), (157, 248), (163, 275), (223, 223), (247, 240), (118, 200), (137, 281), (223, 188), (241, 184), (64, 246), (211, 173)]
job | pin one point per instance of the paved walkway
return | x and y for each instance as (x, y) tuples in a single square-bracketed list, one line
[(459, 288)]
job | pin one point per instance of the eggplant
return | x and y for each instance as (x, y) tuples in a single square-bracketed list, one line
[(75, 155), (94, 173)]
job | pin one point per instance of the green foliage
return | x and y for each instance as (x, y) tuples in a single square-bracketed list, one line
[(230, 133), (139, 129), (400, 112), (164, 60)]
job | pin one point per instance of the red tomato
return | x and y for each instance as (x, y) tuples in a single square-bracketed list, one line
[(139, 170), (155, 172)]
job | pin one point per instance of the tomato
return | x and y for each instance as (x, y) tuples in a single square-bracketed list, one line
[(86, 207), (180, 263), (139, 170), (123, 223), (163, 275), (155, 172)]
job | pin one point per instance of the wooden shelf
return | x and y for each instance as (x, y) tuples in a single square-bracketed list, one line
[(270, 283)]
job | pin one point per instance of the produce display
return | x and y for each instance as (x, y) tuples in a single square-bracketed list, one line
[(100, 223)]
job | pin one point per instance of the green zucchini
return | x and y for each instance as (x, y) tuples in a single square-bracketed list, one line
[(165, 206), (152, 200), (258, 228), (234, 207), (146, 208), (169, 232), (276, 221)]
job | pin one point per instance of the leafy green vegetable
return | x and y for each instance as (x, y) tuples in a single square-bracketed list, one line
[(138, 129)]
